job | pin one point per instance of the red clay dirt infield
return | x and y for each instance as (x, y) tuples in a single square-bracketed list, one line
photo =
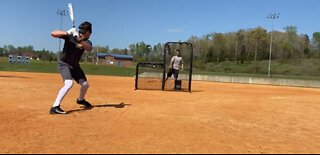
[(214, 118)]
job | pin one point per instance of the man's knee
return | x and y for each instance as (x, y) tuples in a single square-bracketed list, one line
[(85, 84)]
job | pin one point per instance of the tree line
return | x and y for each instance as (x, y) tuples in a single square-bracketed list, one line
[(244, 45), (43, 54), (254, 45)]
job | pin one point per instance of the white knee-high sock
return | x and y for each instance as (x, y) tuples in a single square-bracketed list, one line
[(63, 92), (83, 90)]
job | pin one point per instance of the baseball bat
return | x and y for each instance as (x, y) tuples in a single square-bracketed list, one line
[(71, 14)]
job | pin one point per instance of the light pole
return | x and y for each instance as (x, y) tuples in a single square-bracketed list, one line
[(273, 17), (148, 52), (61, 13)]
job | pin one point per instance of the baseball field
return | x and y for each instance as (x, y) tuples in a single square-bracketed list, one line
[(214, 118)]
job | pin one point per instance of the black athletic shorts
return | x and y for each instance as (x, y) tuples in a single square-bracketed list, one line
[(72, 73), (174, 72)]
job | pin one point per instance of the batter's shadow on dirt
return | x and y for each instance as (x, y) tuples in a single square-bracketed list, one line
[(120, 105)]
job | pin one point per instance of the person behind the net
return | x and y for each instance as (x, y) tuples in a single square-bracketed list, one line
[(76, 43), (176, 65)]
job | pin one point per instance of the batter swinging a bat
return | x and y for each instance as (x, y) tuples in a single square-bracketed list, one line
[(76, 43)]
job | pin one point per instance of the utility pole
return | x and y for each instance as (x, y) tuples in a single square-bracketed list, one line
[(273, 17), (149, 48), (61, 13)]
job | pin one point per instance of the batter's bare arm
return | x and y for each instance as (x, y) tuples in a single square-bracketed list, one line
[(86, 46), (58, 33)]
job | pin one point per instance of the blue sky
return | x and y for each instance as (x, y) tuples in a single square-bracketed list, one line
[(119, 23)]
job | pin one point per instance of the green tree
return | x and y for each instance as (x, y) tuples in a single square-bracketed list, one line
[(101, 49), (1, 52), (9, 48), (292, 39), (316, 40), (259, 37), (220, 48), (240, 36), (139, 51), (210, 55), (305, 46)]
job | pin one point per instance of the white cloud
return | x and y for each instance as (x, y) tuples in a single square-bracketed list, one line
[(175, 30)]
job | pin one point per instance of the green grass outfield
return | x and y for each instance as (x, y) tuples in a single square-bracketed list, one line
[(46, 67), (92, 69)]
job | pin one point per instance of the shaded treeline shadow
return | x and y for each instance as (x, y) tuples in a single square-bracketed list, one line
[(12, 76)]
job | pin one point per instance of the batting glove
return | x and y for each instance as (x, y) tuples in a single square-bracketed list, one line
[(72, 31), (77, 37), (75, 34)]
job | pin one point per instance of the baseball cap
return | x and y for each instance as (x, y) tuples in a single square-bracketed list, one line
[(84, 27)]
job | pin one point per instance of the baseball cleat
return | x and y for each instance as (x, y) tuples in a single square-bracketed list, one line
[(85, 103), (56, 110)]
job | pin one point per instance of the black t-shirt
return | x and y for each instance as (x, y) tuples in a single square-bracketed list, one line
[(72, 51)]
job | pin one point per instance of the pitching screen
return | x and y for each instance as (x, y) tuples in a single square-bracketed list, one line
[(174, 73), (149, 76), (179, 56)]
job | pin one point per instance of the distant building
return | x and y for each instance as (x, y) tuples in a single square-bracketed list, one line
[(120, 60), (18, 59), (30, 54)]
